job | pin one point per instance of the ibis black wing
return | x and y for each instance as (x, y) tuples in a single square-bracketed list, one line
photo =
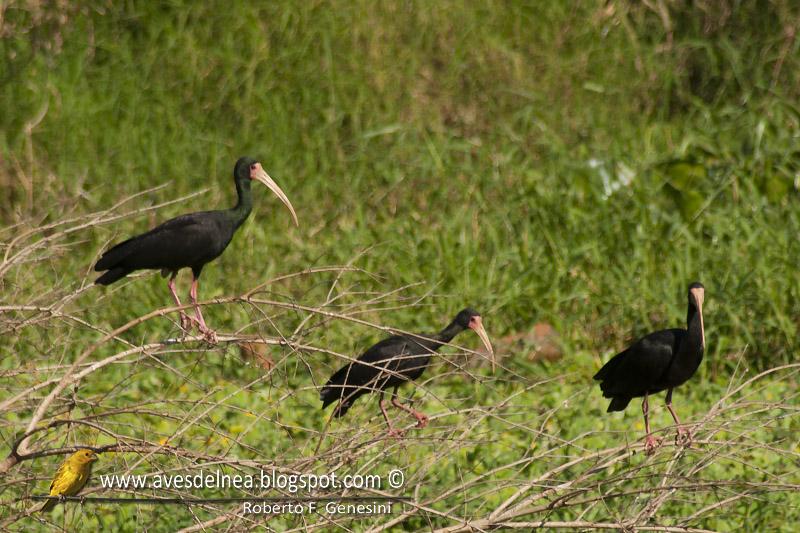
[(184, 241), (369, 372), (380, 357), (640, 368)]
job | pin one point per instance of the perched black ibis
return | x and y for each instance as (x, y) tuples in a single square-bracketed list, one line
[(189, 241), (392, 362), (659, 361)]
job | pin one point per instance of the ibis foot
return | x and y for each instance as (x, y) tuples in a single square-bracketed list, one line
[(209, 335), (395, 433), (684, 437), (422, 419), (651, 444)]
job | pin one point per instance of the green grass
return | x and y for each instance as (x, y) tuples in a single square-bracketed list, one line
[(577, 165)]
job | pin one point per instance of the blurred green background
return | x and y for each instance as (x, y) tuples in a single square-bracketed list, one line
[(575, 164)]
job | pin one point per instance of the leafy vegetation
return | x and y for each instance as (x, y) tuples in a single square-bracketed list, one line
[(574, 164)]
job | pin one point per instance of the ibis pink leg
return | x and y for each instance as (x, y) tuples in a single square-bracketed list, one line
[(209, 334), (186, 322), (650, 442), (392, 431), (684, 436), (422, 420)]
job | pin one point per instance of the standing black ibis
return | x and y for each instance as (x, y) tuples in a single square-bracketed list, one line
[(392, 362), (189, 241), (659, 361)]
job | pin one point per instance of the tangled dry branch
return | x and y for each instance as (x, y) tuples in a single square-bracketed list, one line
[(176, 405)]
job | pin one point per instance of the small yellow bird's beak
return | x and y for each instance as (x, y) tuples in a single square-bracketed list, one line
[(258, 173)]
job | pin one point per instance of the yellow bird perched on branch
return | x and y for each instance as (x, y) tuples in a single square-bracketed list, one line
[(71, 477)]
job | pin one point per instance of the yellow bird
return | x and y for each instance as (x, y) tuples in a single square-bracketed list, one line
[(72, 475)]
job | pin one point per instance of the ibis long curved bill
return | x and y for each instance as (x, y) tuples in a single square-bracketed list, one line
[(476, 325), (699, 295), (259, 174)]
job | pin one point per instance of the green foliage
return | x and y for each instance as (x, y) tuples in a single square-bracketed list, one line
[(575, 163)]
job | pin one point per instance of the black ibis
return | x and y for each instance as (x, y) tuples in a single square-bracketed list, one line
[(659, 361), (392, 362), (189, 241)]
